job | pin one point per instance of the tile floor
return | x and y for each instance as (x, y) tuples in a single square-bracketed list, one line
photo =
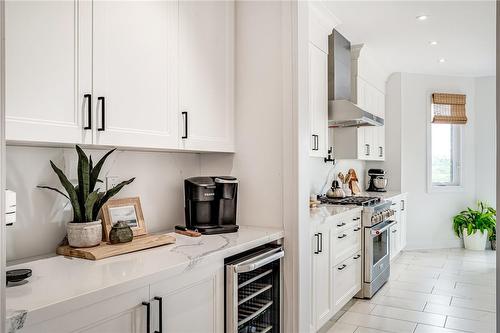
[(430, 291)]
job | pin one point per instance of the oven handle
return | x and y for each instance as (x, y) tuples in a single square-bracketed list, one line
[(259, 261), (376, 232)]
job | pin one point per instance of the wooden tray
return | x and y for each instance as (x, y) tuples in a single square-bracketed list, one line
[(106, 250)]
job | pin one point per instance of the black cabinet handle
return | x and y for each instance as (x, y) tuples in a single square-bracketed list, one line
[(88, 97), (343, 236), (402, 205), (357, 257), (160, 311), (394, 231), (357, 229), (317, 243), (342, 267), (381, 151), (315, 142), (148, 316), (357, 218), (367, 146), (341, 224), (185, 117), (103, 113), (320, 242)]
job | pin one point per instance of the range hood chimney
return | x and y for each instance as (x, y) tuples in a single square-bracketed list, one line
[(342, 112)]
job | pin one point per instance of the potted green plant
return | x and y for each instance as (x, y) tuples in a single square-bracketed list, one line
[(85, 230), (475, 226)]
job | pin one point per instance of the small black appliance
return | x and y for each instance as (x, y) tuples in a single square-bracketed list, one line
[(211, 204), (377, 182)]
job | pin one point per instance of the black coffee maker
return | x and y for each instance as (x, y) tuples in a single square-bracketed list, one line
[(210, 204)]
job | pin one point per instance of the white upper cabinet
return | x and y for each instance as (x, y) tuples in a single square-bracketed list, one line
[(318, 101), (206, 75), (321, 24), (46, 78), (134, 73), (142, 74)]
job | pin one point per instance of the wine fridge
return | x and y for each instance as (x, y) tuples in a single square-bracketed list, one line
[(253, 291)]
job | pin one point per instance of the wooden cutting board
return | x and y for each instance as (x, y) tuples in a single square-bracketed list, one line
[(106, 250)]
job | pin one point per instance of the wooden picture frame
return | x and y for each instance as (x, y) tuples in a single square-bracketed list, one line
[(128, 210)]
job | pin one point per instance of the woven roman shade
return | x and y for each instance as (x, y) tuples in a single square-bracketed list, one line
[(448, 109)]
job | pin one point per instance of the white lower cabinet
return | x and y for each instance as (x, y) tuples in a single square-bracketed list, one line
[(347, 280), (322, 280), (190, 303), (336, 261), (120, 314), (397, 233)]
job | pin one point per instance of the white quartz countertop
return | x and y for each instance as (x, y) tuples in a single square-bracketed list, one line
[(58, 282), (324, 211), (384, 195)]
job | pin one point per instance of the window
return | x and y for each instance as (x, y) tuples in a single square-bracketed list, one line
[(445, 155)]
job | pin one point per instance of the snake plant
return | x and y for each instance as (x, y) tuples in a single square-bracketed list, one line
[(84, 198), (483, 219)]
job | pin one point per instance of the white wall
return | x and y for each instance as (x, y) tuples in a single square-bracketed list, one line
[(41, 216), (430, 214), (485, 136)]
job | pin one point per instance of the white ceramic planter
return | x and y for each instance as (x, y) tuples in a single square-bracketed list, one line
[(476, 241), (84, 234)]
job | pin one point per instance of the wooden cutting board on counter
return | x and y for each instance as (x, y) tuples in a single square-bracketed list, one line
[(106, 250)]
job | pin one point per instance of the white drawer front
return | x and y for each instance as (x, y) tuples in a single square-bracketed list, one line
[(347, 280), (346, 242)]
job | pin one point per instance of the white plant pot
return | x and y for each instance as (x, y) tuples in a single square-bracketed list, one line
[(84, 234), (476, 241)]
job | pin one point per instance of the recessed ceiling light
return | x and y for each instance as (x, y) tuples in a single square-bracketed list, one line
[(433, 42), (422, 17), (442, 60)]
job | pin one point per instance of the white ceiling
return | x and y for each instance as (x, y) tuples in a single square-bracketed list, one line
[(465, 31)]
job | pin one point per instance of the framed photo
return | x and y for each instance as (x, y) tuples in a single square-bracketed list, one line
[(128, 210)]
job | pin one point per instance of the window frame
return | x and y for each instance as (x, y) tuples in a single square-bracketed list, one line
[(458, 165)]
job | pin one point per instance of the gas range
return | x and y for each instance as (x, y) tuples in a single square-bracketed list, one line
[(375, 210)]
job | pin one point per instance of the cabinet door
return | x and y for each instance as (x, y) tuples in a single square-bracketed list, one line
[(206, 75), (322, 278), (46, 78), (135, 52), (191, 303), (318, 100), (347, 277), (403, 221), (120, 314)]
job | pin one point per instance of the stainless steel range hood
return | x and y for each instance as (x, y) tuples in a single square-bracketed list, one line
[(342, 112)]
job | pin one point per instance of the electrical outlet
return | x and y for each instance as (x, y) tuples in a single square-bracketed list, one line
[(112, 181)]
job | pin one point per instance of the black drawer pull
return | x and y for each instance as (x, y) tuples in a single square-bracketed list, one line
[(320, 242), (160, 310), (356, 218), (394, 231), (103, 113), (88, 97), (341, 224), (357, 229), (357, 257), (342, 267), (317, 244), (343, 236), (148, 316), (185, 116)]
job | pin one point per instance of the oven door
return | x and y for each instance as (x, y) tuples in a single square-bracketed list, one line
[(377, 250)]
